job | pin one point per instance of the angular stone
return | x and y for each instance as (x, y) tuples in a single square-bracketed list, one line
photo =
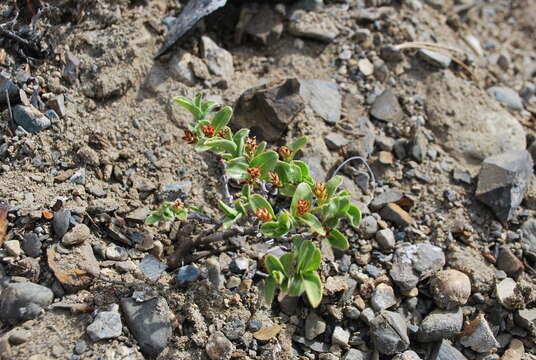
[(389, 333), (335, 141), (526, 318), (77, 235), (23, 301), (380, 201), (323, 97), (471, 263), (414, 262), (57, 103), (503, 182), (149, 322), (313, 25), (394, 213), (266, 26), (88, 156), (387, 108), (314, 326), (383, 297), (440, 324), (450, 288), (386, 239), (354, 354), (219, 347), (509, 294), (107, 325), (506, 96), (181, 69), (507, 261), (434, 58), (340, 337), (31, 244), (31, 119), (449, 352), (187, 274), (268, 109), (219, 61), (478, 336), (6, 84), (469, 133), (152, 268)]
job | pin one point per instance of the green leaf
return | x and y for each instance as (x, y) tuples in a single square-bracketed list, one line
[(239, 140), (304, 169), (181, 214), (305, 253), (257, 201), (220, 145), (314, 261), (295, 174), (337, 240), (303, 192), (240, 207), (313, 288), (287, 190), (246, 191), (333, 184), (197, 100), (237, 168), (153, 218), (188, 105), (278, 276), (167, 214), (297, 145), (222, 117), (226, 209), (271, 229), (260, 148), (288, 263), (266, 161), (273, 264), (296, 286), (269, 289), (208, 106), (354, 215), (230, 220), (313, 223)]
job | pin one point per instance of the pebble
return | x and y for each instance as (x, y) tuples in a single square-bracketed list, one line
[(88, 156), (478, 336), (515, 351), (509, 294), (340, 337), (214, 273), (61, 221), (440, 324), (314, 326), (151, 267), (503, 181), (526, 318), (31, 119), (239, 265), (31, 244), (413, 262), (106, 325), (234, 329), (188, 274), (313, 25), (471, 263), (219, 61), (80, 347), (507, 261), (219, 347), (383, 297), (449, 352), (391, 53), (13, 248), (354, 354), (57, 103), (323, 97), (149, 322), (394, 213), (17, 337), (387, 108), (335, 141), (24, 301), (389, 333), (117, 253), (506, 96), (369, 226), (434, 58), (386, 239), (365, 66), (78, 234), (450, 288)]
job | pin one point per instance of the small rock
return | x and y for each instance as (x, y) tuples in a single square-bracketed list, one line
[(234, 329), (389, 333), (462, 176), (139, 215), (386, 239), (434, 58), (149, 322), (506, 96), (340, 337), (314, 326), (391, 53), (380, 201), (365, 66), (151, 267), (117, 253), (354, 354), (181, 69), (386, 158), (387, 108), (88, 156), (266, 26), (515, 351), (57, 103), (31, 119), (79, 177), (323, 97), (61, 221), (414, 262), (450, 288), (31, 244), (219, 61), (503, 181), (187, 274), (13, 248), (368, 226), (80, 347), (471, 263), (335, 141), (219, 347), (507, 261), (17, 337), (106, 325), (239, 265), (23, 301), (440, 324), (383, 297), (478, 336), (394, 213), (449, 352), (526, 318), (77, 235), (7, 85), (509, 294), (313, 25), (214, 273)]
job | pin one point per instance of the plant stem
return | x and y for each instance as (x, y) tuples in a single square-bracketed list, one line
[(225, 184), (364, 163)]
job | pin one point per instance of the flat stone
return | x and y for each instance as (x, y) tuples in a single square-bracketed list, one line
[(31, 119), (515, 351), (60, 223), (219, 61), (188, 274), (18, 337), (383, 297), (394, 213), (239, 265), (139, 215), (314, 326), (478, 336), (507, 261), (434, 58), (78, 234), (23, 301), (387, 108), (323, 97), (471, 263), (57, 103), (106, 325), (219, 347), (335, 141), (31, 244), (368, 226), (509, 294), (340, 337), (149, 322), (449, 352), (503, 181), (415, 262), (386, 239), (389, 333), (116, 253), (13, 248), (506, 96), (313, 25), (6, 84), (469, 133), (152, 268), (440, 324)]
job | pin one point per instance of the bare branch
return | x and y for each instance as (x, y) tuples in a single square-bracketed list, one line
[(225, 184), (364, 163)]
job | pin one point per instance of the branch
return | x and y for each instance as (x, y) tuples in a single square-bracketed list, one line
[(225, 184), (364, 163)]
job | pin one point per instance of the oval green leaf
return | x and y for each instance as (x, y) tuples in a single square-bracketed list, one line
[(313, 288)]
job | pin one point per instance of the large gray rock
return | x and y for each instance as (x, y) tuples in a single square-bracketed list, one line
[(106, 325), (387, 108), (23, 301), (468, 123), (323, 97), (149, 322), (471, 263), (314, 326), (389, 333), (503, 182), (31, 119)]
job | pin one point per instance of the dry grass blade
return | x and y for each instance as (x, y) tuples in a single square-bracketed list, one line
[(3, 225)]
